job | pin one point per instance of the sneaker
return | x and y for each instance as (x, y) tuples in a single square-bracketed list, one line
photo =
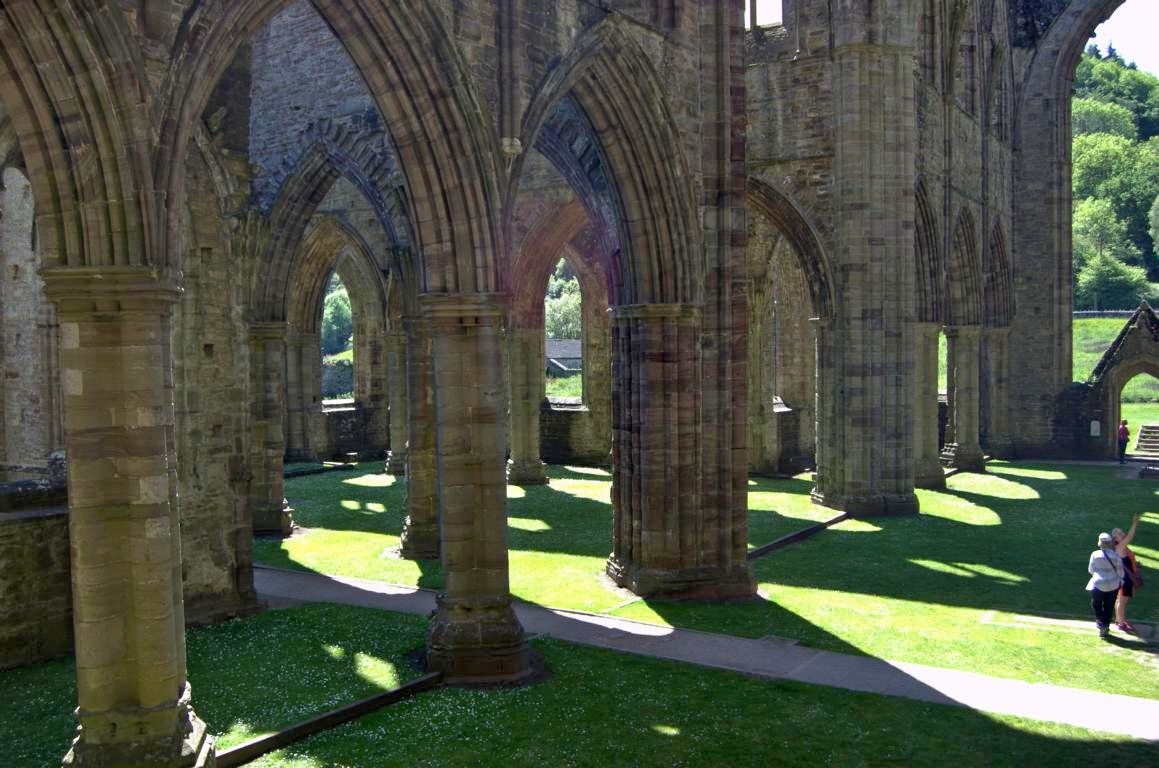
[(1104, 632), (1126, 627)]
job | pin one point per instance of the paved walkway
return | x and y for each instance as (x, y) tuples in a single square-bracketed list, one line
[(768, 658)]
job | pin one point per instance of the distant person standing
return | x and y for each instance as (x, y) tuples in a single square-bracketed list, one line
[(1106, 570), (1124, 438)]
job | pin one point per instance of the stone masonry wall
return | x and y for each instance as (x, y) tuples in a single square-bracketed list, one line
[(301, 75), (212, 394), (26, 331), (35, 596)]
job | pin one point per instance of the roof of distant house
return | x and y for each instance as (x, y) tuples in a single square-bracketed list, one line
[(563, 349)]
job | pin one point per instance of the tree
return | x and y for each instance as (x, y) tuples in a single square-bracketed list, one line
[(337, 322), (1154, 218), (1110, 80), (1094, 116), (1097, 231), (562, 311), (1126, 174), (1107, 283)]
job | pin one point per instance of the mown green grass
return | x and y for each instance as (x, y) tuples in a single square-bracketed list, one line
[(572, 386), (597, 708), (1090, 338), (248, 677), (945, 588)]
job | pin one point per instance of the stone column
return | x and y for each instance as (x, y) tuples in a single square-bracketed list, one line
[(297, 422), (928, 466), (420, 532), (396, 363), (124, 527), (474, 636), (268, 508), (869, 341), (527, 394), (996, 372), (663, 542), (375, 406), (317, 436), (963, 343)]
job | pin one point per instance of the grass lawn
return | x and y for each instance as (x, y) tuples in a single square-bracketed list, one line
[(248, 677), (572, 386), (598, 708), (992, 569)]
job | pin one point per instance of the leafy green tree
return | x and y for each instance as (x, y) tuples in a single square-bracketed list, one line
[(1107, 283), (1097, 231), (1113, 168), (562, 306), (1094, 116), (1110, 80), (1154, 218), (1098, 162), (337, 322)]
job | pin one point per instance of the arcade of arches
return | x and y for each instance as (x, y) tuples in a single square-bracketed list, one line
[(770, 228)]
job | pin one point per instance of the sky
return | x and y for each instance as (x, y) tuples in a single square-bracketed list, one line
[(1132, 29)]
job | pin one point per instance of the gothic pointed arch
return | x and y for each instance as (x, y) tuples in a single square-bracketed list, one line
[(446, 151), (930, 283), (321, 250), (997, 288), (327, 152), (537, 256), (964, 278), (793, 224), (74, 82), (611, 81)]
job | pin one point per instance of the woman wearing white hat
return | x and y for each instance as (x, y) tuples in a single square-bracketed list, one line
[(1106, 570)]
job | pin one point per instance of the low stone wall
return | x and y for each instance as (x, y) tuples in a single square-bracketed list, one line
[(350, 429), (35, 593), (569, 434)]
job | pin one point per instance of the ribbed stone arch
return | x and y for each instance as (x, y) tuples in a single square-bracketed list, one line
[(72, 78), (536, 258), (929, 284), (793, 223), (328, 149), (616, 86), (998, 290), (446, 150), (964, 278), (1053, 40), (328, 239), (301, 193)]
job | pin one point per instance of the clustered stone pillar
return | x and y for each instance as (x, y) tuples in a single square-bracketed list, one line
[(963, 351), (928, 470), (374, 402), (396, 363), (866, 457), (267, 503), (663, 542), (298, 447), (474, 635), (996, 354), (124, 528), (420, 532), (527, 394)]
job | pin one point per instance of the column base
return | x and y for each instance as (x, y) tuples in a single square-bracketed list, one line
[(396, 463), (529, 472), (966, 458), (478, 641), (419, 541), (884, 505), (192, 746), (274, 522), (930, 474), (700, 583)]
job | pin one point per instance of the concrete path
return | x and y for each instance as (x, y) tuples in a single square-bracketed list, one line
[(771, 658)]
